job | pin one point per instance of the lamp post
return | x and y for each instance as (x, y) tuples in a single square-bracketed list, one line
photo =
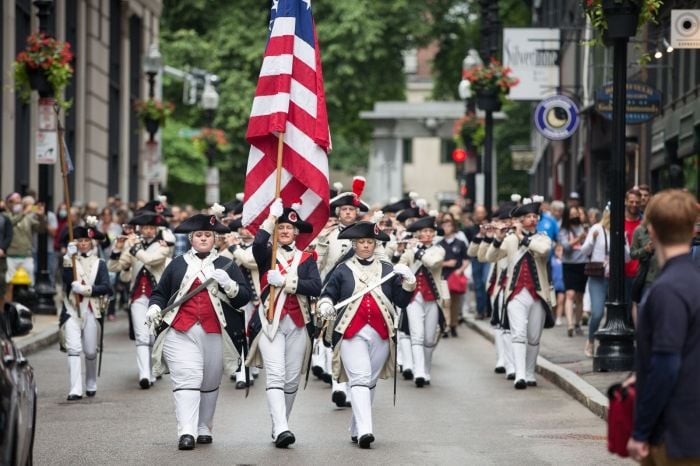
[(152, 65), (616, 349), (471, 60), (210, 101), (44, 290)]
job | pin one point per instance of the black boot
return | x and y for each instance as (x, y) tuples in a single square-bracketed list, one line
[(74, 397), (186, 442), (284, 439), (420, 381), (145, 384), (408, 374), (500, 370), (366, 440), (339, 398), (204, 439), (520, 385)]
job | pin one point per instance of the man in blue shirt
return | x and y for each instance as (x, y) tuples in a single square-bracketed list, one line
[(667, 410), (547, 224)]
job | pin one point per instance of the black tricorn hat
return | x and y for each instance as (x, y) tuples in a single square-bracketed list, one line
[(527, 208), (156, 206), (411, 212), (399, 205), (236, 223), (423, 222), (149, 218), (291, 216), (505, 211), (363, 230), (202, 222), (87, 232), (350, 199)]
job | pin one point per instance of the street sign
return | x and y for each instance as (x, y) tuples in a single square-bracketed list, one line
[(643, 102), (556, 117), (685, 29), (46, 147)]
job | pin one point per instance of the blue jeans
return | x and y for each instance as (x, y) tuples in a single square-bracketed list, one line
[(598, 289), (480, 271)]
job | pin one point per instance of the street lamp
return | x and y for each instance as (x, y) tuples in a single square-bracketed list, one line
[(152, 64), (210, 102), (471, 60)]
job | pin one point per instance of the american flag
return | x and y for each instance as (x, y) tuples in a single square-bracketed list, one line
[(289, 98)]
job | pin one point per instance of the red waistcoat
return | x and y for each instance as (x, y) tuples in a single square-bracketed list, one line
[(198, 308), (368, 313)]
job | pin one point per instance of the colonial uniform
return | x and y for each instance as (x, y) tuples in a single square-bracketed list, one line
[(426, 321), (283, 344), (85, 296), (362, 330), (142, 265), (332, 250), (528, 293), (193, 348)]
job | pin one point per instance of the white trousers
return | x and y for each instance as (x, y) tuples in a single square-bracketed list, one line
[(423, 322), (283, 358), (526, 316), (81, 340), (195, 360), (363, 356), (144, 339), (504, 350)]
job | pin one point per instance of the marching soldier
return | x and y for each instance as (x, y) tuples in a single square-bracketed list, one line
[(86, 291), (528, 290), (283, 343), (193, 348), (331, 251), (363, 330), (141, 259), (426, 321)]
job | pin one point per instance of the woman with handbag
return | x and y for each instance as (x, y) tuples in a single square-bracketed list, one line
[(597, 248), (571, 236), (453, 271)]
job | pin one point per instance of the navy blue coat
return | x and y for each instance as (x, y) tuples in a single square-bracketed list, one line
[(101, 287)]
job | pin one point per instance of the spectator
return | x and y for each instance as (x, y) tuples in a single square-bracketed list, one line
[(644, 195), (556, 209), (558, 282), (51, 233), (632, 221), (480, 270), (26, 219), (593, 216), (642, 249), (455, 255), (5, 240), (571, 236), (548, 224), (667, 407), (574, 200)]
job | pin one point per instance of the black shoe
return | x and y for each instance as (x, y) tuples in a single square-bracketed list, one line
[(520, 385), (500, 370), (240, 385), (510, 377), (353, 439), (284, 439), (317, 371), (445, 335), (570, 332), (427, 382), (408, 374), (327, 378), (74, 397), (365, 440), (255, 376), (91, 393), (186, 442), (420, 381), (453, 332), (531, 383), (233, 377), (339, 398), (204, 439), (145, 384)]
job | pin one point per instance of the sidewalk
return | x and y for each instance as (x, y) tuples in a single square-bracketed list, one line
[(562, 362), (44, 333)]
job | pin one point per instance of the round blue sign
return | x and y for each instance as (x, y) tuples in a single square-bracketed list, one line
[(556, 117)]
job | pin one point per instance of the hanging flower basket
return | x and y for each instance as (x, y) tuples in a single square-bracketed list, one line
[(618, 19), (210, 138), (153, 113), (151, 125), (44, 66), (468, 131), (490, 83)]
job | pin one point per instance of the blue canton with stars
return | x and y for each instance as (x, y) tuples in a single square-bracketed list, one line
[(301, 9)]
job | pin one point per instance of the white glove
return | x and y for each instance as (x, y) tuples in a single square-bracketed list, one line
[(153, 317), (326, 311), (79, 288), (222, 277), (404, 272), (71, 249), (275, 278), (276, 209)]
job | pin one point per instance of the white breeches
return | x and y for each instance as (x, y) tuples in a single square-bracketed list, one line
[(144, 339), (283, 358), (526, 316), (82, 340), (363, 356), (423, 323), (195, 359)]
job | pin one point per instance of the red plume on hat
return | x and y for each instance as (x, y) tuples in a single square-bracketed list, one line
[(358, 186)]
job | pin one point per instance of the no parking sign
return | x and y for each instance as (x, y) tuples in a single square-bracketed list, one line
[(556, 117)]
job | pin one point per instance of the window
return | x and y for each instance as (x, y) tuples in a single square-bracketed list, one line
[(135, 88), (446, 148), (71, 121), (408, 151), (114, 131)]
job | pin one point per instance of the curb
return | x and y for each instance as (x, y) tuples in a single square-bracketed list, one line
[(579, 389), (41, 340)]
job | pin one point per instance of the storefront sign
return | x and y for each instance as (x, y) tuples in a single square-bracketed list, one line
[(643, 102), (556, 117), (685, 29), (533, 55)]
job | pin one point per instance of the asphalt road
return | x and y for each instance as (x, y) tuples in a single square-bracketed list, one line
[(469, 416)]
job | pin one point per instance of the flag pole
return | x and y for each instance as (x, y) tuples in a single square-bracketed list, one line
[(66, 194), (278, 187)]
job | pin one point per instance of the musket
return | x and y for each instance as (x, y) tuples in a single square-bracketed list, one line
[(102, 341), (318, 342)]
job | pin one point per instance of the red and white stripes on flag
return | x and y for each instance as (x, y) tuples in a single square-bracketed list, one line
[(289, 98)]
